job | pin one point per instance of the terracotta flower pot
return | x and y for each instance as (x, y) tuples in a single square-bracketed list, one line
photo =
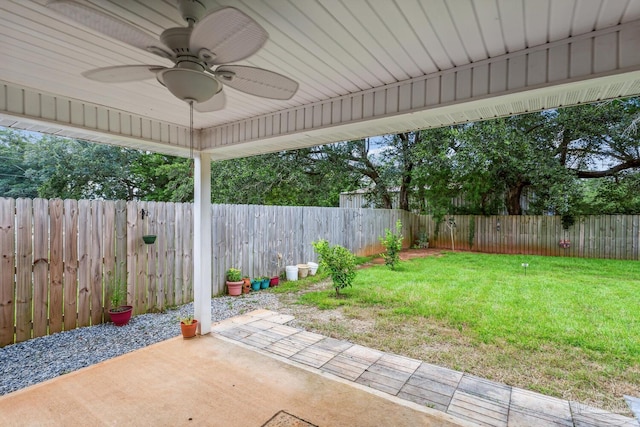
[(235, 288), (121, 315), (246, 287), (189, 331)]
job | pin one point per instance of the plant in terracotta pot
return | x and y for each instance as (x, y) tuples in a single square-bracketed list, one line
[(234, 281), (188, 326), (120, 314)]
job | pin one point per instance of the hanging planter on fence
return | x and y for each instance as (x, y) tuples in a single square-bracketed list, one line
[(149, 239), (564, 244)]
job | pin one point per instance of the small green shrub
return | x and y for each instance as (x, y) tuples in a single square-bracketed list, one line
[(234, 275), (187, 320), (393, 244), (422, 241), (339, 262), (118, 295)]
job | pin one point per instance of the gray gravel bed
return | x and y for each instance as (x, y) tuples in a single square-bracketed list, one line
[(39, 359)]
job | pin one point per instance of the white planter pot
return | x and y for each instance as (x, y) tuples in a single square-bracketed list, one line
[(292, 272), (303, 270), (313, 268)]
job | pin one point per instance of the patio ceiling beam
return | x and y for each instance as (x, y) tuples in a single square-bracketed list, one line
[(591, 67), (28, 109)]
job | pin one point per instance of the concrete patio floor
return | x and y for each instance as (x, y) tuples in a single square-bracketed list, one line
[(254, 370), (207, 381)]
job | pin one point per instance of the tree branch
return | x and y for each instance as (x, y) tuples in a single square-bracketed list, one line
[(631, 164)]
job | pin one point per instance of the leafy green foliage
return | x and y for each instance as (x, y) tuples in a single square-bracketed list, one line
[(118, 294), (298, 178), (422, 240), (477, 168), (14, 173), (234, 275), (392, 242), (611, 195), (339, 262)]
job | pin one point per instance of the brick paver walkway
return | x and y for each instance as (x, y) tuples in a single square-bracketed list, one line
[(462, 395)]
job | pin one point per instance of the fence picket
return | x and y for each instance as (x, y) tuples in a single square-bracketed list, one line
[(152, 258), (84, 262), (170, 235), (96, 262), (109, 251), (7, 270), (24, 266), (40, 267), (70, 287), (56, 265), (161, 246)]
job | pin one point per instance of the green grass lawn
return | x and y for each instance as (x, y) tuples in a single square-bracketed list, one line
[(580, 315)]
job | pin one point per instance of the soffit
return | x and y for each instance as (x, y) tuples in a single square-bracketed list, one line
[(333, 48)]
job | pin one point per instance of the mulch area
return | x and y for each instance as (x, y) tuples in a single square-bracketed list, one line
[(405, 255)]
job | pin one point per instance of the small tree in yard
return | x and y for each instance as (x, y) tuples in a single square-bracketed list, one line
[(340, 263), (393, 244)]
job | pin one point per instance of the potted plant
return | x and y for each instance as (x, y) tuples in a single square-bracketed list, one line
[(234, 281), (279, 263), (246, 286), (188, 326), (255, 284), (264, 282), (120, 314)]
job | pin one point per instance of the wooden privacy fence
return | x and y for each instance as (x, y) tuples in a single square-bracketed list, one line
[(58, 258), (596, 236)]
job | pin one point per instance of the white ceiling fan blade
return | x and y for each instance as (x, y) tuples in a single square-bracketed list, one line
[(218, 102), (257, 81), (108, 25), (229, 34), (123, 73)]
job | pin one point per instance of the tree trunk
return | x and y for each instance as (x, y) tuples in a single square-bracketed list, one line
[(512, 199), (407, 167)]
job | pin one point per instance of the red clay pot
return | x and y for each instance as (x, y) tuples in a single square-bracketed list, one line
[(122, 316), (189, 331), (246, 286)]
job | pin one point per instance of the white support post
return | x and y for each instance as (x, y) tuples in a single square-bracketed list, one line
[(202, 242)]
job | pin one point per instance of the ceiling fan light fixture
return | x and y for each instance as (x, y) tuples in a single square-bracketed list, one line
[(189, 84)]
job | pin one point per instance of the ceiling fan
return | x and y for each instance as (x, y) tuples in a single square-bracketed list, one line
[(200, 52)]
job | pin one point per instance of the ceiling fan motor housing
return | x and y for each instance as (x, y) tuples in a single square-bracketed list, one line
[(191, 10), (189, 85)]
